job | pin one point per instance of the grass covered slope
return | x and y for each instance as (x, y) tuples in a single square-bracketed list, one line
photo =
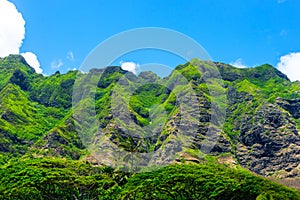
[(67, 179), (25, 116)]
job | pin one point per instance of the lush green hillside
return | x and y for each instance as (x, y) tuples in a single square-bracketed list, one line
[(32, 106), (53, 127)]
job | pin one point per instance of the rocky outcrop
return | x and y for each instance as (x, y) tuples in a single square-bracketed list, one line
[(269, 142), (291, 105), (62, 141)]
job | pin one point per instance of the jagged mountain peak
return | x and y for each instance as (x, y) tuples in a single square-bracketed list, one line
[(15, 58), (260, 73), (149, 76), (14, 61), (14, 69)]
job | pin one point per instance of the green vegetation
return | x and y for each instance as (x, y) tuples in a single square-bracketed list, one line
[(205, 181), (67, 179), (43, 155), (55, 179), (145, 98)]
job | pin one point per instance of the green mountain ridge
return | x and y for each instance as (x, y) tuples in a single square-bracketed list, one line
[(71, 117)]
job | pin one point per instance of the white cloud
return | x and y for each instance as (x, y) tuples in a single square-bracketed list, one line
[(12, 33), (12, 29), (32, 60), (130, 66), (74, 69), (56, 64), (290, 65), (238, 63), (70, 56)]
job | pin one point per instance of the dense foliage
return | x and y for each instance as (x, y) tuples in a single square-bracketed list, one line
[(54, 179), (66, 179)]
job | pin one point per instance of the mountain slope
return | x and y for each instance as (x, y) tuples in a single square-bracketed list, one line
[(25, 119), (248, 118)]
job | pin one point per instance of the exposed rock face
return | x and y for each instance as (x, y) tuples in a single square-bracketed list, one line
[(150, 77), (291, 105), (56, 143), (265, 133), (270, 143)]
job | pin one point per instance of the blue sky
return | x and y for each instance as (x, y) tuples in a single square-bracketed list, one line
[(62, 33)]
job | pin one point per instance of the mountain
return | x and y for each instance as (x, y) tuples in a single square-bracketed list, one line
[(204, 114)]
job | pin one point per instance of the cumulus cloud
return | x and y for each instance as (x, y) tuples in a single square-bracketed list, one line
[(32, 60), (238, 63), (290, 65), (130, 66), (12, 33), (70, 56), (12, 29), (56, 64)]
